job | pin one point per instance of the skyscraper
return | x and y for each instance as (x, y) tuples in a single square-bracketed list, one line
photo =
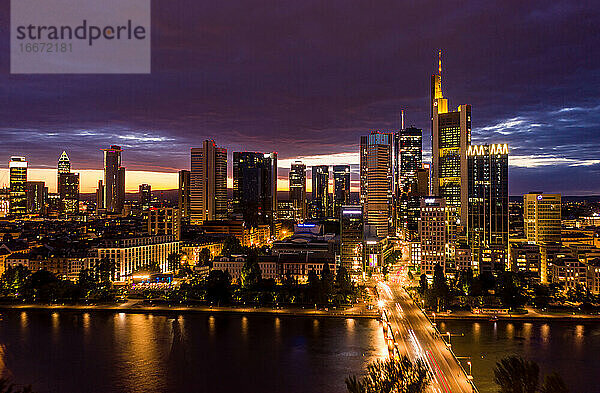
[(541, 216), (18, 185), (410, 157), (184, 195), (341, 187), (320, 191), (351, 234), (68, 192), (64, 163), (36, 197), (487, 222), (114, 180), (67, 186), (433, 234), (451, 136), (297, 187), (208, 183), (376, 165), (255, 188), (145, 195), (99, 197)]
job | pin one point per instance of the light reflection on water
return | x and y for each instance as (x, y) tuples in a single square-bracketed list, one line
[(114, 352), (568, 348)]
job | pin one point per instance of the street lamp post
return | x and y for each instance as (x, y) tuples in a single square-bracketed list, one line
[(449, 339), (470, 376)]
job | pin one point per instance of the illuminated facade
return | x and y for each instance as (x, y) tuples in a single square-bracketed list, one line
[(114, 180), (297, 187), (68, 192), (183, 200), (145, 195), (487, 222), (351, 234), (208, 183), (542, 214), (18, 185), (164, 221), (377, 181), (36, 197), (341, 187), (320, 192), (433, 234), (255, 188)]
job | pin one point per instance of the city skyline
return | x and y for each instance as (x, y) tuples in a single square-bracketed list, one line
[(226, 68)]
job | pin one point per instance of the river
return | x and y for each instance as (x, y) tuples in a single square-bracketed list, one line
[(569, 348), (71, 351)]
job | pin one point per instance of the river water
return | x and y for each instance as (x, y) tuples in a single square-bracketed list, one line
[(571, 349), (116, 352)]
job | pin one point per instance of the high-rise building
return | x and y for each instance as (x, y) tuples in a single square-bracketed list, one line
[(488, 197), (297, 187), (208, 183), (255, 188), (99, 197), (68, 192), (36, 197), (433, 234), (376, 166), (18, 185), (164, 221), (145, 195), (114, 180), (341, 187), (451, 136), (64, 163), (542, 215), (410, 157), (184, 195), (320, 192), (351, 234)]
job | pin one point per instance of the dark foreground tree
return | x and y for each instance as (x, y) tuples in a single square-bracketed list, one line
[(7, 387), (391, 376), (514, 374), (553, 383)]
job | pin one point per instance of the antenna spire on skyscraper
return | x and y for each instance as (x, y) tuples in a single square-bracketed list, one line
[(440, 63)]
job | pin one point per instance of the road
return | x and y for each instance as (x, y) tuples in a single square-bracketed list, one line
[(416, 338)]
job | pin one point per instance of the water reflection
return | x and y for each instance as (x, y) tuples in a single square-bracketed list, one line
[(510, 331), (476, 331), (245, 327), (211, 325), (545, 334)]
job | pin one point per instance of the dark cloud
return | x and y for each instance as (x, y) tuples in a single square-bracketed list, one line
[(307, 78)]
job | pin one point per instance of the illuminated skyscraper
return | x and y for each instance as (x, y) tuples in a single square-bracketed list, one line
[(36, 197), (341, 187), (320, 192), (145, 195), (184, 195), (68, 192), (376, 166), (114, 180), (100, 197), (410, 157), (351, 234), (18, 185), (208, 183), (451, 136), (255, 188), (297, 187), (488, 197), (433, 234), (67, 186), (64, 163)]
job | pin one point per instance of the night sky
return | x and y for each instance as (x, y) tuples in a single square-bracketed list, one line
[(307, 78)]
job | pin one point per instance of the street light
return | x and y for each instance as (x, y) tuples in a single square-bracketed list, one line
[(433, 319), (448, 338), (469, 376)]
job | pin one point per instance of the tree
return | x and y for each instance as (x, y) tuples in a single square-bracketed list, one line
[(204, 257), (251, 273), (391, 376), (14, 279), (553, 383), (511, 290), (7, 387), (423, 285), (514, 374), (231, 245), (105, 270), (439, 287), (218, 286), (342, 279)]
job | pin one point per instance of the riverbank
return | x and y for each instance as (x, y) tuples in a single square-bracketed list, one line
[(530, 315), (139, 308)]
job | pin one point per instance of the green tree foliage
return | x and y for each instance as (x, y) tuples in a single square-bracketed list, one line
[(232, 245), (439, 293), (251, 274), (514, 374), (14, 279), (511, 290), (391, 376), (553, 383), (423, 285), (218, 287)]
